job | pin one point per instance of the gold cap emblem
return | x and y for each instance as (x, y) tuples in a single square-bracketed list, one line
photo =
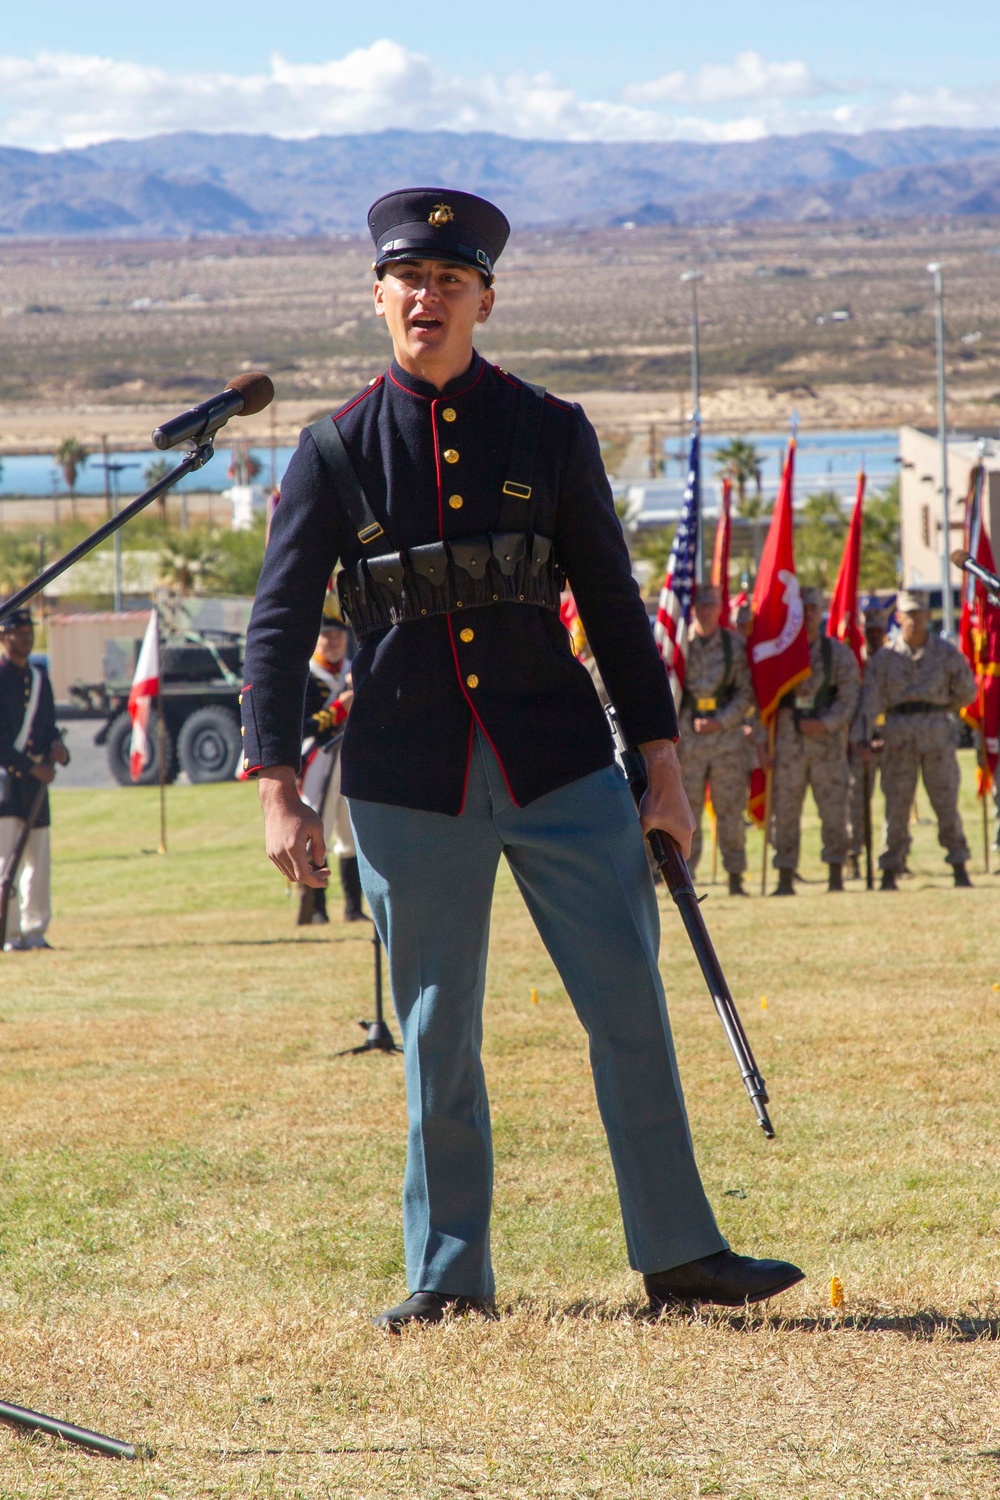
[(440, 215)]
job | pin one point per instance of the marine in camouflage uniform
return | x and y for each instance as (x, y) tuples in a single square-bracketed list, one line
[(717, 697), (876, 628), (918, 681), (811, 751)]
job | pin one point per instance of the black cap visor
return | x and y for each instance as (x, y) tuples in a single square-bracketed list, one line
[(412, 242)]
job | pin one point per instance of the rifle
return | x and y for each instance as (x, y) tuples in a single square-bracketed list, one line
[(673, 868)]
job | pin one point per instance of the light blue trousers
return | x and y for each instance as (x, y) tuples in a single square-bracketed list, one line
[(578, 857)]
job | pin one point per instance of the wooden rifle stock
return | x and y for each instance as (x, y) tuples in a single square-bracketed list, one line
[(673, 867)]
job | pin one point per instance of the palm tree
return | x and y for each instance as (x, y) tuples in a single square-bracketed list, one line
[(739, 462), (188, 562), (71, 456), (151, 475)]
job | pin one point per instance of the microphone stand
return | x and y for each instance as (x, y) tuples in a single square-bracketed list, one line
[(379, 1038), (200, 453)]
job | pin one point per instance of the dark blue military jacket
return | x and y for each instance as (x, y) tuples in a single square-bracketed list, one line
[(15, 690), (421, 687)]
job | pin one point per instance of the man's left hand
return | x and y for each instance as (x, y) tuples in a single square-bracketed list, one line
[(664, 804), (58, 754)]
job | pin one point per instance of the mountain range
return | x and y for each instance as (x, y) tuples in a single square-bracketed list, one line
[(201, 184)]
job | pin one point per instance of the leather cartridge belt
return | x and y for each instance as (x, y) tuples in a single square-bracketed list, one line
[(919, 707), (440, 578)]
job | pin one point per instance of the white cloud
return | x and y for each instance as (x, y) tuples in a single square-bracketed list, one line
[(749, 76), (62, 99), (58, 99)]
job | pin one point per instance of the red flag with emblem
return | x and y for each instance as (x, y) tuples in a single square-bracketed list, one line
[(843, 623), (720, 556), (979, 636), (778, 648)]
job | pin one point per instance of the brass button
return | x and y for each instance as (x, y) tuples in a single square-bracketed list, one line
[(467, 635), (451, 455), (246, 764), (456, 502), (472, 680), (243, 729), (240, 698), (449, 414)]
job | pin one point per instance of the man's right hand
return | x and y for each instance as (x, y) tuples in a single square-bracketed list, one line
[(44, 773), (293, 833)]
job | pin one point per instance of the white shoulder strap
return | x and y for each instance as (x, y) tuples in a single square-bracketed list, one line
[(24, 733)]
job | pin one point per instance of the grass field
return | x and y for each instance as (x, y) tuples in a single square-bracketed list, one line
[(199, 1201)]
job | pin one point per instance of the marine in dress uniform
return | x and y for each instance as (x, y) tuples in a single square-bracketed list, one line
[(810, 750), (919, 681), (456, 498), (716, 700), (327, 705), (29, 748)]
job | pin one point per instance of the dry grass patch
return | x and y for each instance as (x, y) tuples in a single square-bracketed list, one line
[(200, 1201)]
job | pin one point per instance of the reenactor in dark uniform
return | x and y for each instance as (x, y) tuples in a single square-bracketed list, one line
[(30, 750), (455, 497), (329, 695)]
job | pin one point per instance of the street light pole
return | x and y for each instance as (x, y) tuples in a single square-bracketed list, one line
[(947, 612), (692, 279)]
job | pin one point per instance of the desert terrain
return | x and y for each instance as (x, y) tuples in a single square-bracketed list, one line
[(108, 338)]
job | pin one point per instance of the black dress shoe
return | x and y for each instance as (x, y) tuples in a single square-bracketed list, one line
[(430, 1307), (723, 1278)]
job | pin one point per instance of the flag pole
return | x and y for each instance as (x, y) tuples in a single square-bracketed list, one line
[(161, 746), (768, 780)]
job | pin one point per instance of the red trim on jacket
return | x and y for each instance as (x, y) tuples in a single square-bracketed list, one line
[(372, 385)]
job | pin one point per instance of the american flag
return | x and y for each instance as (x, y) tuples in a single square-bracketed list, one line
[(673, 617)]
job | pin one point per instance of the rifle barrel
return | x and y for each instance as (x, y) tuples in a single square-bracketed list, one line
[(36, 1421), (673, 867)]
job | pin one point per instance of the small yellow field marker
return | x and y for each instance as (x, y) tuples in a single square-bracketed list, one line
[(996, 988), (837, 1294), (534, 996), (763, 1002)]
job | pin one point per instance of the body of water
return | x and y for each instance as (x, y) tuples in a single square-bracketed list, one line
[(37, 475), (823, 459)]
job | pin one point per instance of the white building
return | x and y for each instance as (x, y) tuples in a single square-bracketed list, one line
[(921, 519)]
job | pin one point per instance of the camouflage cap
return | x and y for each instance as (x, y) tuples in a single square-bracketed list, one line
[(707, 593), (813, 596), (909, 601)]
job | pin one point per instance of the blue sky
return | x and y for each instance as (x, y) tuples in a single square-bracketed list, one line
[(72, 74)]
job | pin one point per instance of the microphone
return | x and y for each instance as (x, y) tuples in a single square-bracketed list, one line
[(245, 395), (965, 560)]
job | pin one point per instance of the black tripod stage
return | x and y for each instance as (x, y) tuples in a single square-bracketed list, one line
[(378, 1037)]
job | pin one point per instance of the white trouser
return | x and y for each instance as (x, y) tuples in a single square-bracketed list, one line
[(30, 909), (336, 820)]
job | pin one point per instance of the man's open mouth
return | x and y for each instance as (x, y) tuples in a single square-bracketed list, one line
[(425, 323)]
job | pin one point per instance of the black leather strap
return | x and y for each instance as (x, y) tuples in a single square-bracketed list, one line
[(521, 465), (326, 435)]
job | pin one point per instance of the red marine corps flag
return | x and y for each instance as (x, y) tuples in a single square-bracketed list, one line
[(778, 649), (145, 687), (979, 638), (843, 623)]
